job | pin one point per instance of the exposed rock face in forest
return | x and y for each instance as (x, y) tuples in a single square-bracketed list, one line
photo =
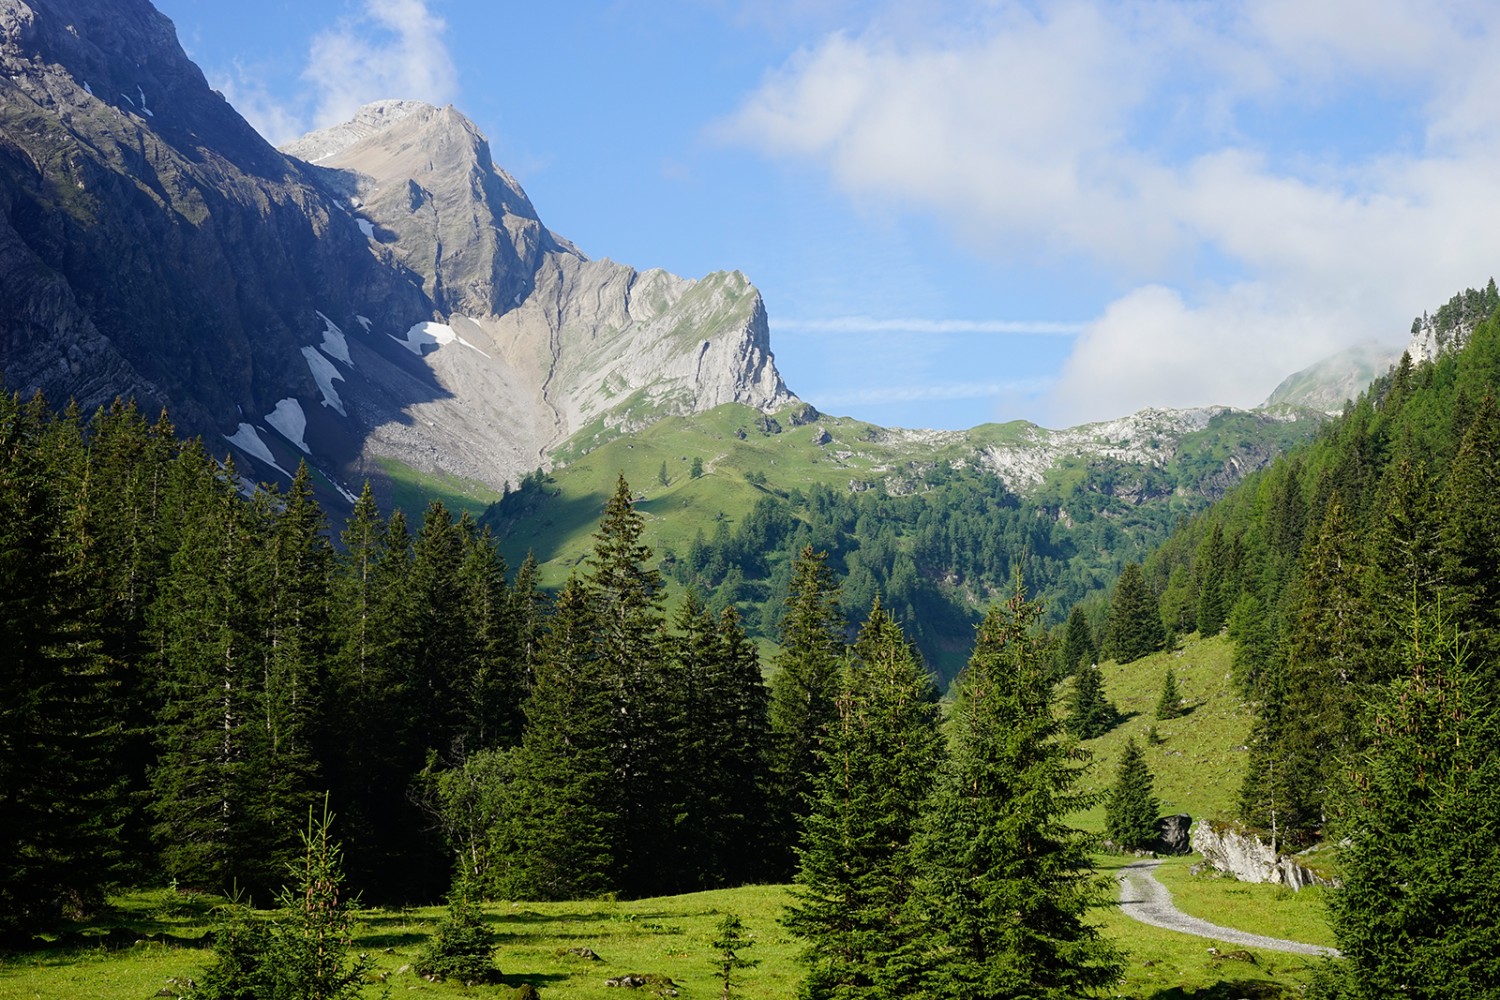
[(1248, 858), (399, 298)]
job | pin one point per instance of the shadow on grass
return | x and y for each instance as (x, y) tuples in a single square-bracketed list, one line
[(1227, 989)]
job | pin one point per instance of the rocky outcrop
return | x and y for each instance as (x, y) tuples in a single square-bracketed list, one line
[(1248, 858)]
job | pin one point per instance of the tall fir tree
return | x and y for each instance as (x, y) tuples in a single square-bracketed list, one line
[(1008, 883), (1135, 628), (1130, 811), (857, 866), (212, 750), (625, 590), (722, 749), (1090, 712), (1169, 704), (803, 688), (60, 789), (1415, 915), (557, 839)]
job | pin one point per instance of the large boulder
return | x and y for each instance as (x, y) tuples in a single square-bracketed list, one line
[(1174, 834)]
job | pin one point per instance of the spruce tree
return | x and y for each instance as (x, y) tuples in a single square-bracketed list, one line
[(59, 784), (1008, 885), (1078, 642), (857, 868), (625, 591), (558, 837), (723, 743), (1211, 568), (1090, 712), (1415, 915), (1169, 705), (212, 740), (1135, 628), (1130, 811), (804, 686)]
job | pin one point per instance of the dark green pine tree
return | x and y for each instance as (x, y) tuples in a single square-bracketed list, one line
[(1135, 628), (557, 840), (1421, 868), (528, 614), (1169, 705), (60, 787), (369, 712), (441, 643), (1211, 568), (1078, 642), (1090, 712), (1130, 811), (1403, 556), (857, 866), (211, 750), (803, 687), (1254, 646), (720, 774), (490, 682), (1008, 884), (293, 575), (1470, 534), (625, 591)]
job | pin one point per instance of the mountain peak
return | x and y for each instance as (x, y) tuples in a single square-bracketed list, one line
[(370, 120)]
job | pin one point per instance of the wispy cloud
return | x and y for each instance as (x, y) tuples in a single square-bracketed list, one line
[(865, 324), (395, 48), (937, 392), (392, 48)]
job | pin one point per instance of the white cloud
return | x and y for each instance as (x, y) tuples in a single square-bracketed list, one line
[(1195, 152), (865, 325), (395, 48)]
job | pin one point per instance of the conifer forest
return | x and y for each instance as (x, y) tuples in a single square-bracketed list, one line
[(192, 664)]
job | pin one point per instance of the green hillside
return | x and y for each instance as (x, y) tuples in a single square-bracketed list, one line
[(920, 517)]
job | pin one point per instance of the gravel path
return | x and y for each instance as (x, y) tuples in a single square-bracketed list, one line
[(1147, 900)]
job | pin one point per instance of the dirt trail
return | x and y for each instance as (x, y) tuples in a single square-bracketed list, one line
[(1147, 900)]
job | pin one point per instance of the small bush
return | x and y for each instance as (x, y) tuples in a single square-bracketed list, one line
[(462, 948)]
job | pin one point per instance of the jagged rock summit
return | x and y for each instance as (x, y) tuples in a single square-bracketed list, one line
[(581, 342), (385, 291)]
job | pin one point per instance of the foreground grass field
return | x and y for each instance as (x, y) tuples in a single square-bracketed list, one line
[(668, 936)]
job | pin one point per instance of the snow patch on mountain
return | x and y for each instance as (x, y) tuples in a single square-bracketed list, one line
[(290, 422), (324, 373), (334, 345), (436, 334), (247, 439)]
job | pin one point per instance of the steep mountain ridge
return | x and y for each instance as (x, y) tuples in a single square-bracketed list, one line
[(153, 245)]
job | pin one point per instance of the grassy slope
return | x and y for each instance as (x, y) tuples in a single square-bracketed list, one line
[(1200, 762), (669, 936)]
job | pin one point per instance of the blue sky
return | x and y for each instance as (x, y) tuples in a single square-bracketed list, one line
[(962, 212)]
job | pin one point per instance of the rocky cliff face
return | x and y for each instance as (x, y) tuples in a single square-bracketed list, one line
[(400, 297)]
